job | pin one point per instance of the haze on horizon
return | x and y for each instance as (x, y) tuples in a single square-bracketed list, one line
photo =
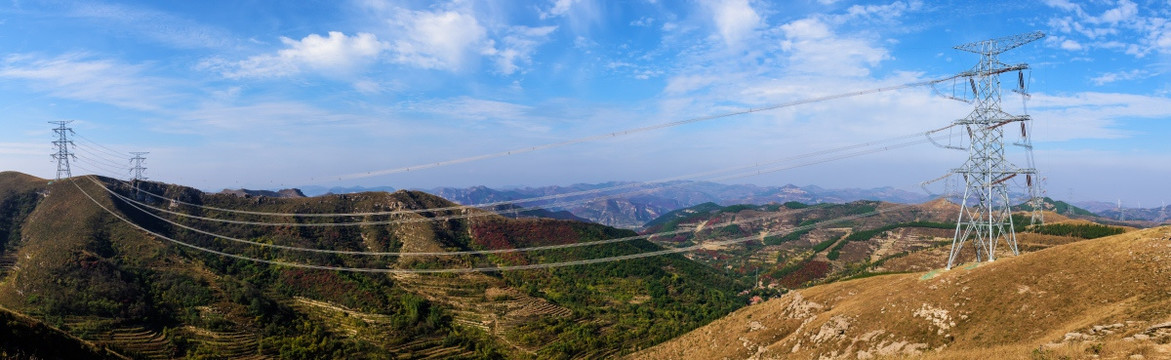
[(230, 95)]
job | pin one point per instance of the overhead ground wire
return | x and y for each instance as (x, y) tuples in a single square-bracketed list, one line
[(489, 213), (547, 197), (482, 269), (134, 204), (640, 130)]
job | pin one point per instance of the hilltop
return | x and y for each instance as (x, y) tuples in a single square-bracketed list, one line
[(1104, 297)]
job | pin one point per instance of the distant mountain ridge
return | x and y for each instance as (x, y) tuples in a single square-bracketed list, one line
[(646, 202)]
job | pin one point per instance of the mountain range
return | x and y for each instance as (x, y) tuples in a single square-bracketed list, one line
[(632, 205)]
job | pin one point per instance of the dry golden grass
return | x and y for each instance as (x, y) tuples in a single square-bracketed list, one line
[(1013, 308)]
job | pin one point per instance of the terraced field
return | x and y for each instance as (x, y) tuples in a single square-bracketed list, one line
[(483, 302), (236, 344), (343, 321), (140, 341), (7, 262)]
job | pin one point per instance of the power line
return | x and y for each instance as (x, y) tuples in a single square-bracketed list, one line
[(487, 269), (928, 134), (445, 253), (638, 130), (103, 169), (137, 206), (96, 157), (103, 148), (469, 215)]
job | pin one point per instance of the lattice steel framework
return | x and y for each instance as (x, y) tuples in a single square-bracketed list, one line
[(986, 215), (137, 170), (63, 154)]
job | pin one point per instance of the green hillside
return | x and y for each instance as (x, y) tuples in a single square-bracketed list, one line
[(79, 268)]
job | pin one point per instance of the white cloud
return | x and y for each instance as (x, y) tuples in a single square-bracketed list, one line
[(336, 55), (1122, 26), (1071, 45), (1093, 115), (888, 12), (644, 21), (1063, 5), (812, 48), (1110, 77), (689, 83), (438, 40), (152, 24), (735, 20), (452, 36), (367, 86), (518, 47), (557, 8), (477, 113), (468, 108), (1125, 12), (14, 149), (79, 77), (271, 117)]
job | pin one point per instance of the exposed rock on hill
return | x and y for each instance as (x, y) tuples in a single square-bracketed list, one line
[(1106, 297), (284, 193)]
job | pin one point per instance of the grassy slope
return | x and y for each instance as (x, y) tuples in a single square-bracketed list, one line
[(1004, 309)]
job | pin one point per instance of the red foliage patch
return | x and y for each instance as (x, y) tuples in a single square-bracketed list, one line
[(324, 285), (812, 270), (511, 234)]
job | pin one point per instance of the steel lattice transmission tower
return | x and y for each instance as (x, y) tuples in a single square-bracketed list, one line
[(137, 170), (63, 154), (986, 212), (137, 160)]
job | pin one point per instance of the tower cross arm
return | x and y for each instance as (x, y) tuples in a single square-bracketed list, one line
[(1001, 44)]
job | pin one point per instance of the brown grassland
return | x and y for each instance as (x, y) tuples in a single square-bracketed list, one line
[(1105, 298)]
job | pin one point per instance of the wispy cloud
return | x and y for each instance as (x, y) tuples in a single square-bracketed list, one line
[(1094, 115), (154, 25), (85, 78), (1122, 25), (1110, 77), (19, 149), (337, 55), (735, 20), (267, 117), (517, 47), (557, 8), (443, 39)]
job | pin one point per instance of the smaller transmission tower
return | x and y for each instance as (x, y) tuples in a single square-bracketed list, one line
[(63, 154), (137, 170), (137, 160), (985, 212)]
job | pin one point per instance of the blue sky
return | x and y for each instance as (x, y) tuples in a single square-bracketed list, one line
[(269, 94)]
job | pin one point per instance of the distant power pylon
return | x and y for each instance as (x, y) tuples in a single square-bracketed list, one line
[(986, 213), (62, 144), (137, 170), (137, 160)]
